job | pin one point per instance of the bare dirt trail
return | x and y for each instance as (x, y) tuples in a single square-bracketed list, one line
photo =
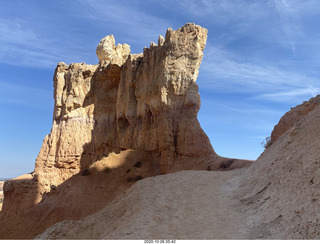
[(182, 205)]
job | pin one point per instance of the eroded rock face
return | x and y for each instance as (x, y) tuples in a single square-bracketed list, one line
[(62, 150), (145, 101), (293, 116), (158, 99), (108, 52), (130, 117)]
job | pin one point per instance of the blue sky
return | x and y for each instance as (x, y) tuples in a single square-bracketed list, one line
[(262, 57)]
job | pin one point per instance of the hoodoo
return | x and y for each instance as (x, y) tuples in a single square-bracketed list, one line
[(126, 110)]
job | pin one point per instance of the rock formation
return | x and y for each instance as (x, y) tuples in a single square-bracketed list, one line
[(293, 116), (148, 102), (128, 104), (108, 52)]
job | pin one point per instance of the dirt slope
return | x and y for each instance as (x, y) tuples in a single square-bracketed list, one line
[(281, 189), (183, 205)]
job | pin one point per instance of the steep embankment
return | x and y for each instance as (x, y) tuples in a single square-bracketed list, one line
[(281, 190), (275, 198)]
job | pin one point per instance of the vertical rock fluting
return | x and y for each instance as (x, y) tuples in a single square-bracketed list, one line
[(145, 101), (158, 98), (73, 121)]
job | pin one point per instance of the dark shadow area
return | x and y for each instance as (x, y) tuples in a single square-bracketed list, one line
[(20, 195), (103, 95), (82, 194)]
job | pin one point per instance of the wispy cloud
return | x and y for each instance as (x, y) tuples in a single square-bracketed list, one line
[(224, 70), (219, 11), (22, 46), (24, 96), (241, 107), (27, 56), (15, 31), (136, 26), (291, 95), (253, 119), (26, 43), (289, 22)]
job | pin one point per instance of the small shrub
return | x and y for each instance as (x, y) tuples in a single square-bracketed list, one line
[(128, 170), (107, 170), (129, 179), (267, 142)]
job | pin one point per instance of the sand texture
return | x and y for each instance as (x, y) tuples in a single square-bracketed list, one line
[(183, 205)]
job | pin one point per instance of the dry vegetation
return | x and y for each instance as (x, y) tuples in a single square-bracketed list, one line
[(1, 194)]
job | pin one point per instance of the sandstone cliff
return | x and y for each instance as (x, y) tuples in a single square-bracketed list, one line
[(139, 107), (148, 102)]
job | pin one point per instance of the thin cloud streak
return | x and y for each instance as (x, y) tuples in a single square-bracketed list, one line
[(229, 72), (27, 57), (138, 26), (24, 96), (290, 95), (20, 45), (23, 44), (16, 32), (243, 108), (220, 11), (289, 23)]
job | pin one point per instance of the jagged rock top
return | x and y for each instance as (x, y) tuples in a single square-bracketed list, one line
[(108, 52)]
